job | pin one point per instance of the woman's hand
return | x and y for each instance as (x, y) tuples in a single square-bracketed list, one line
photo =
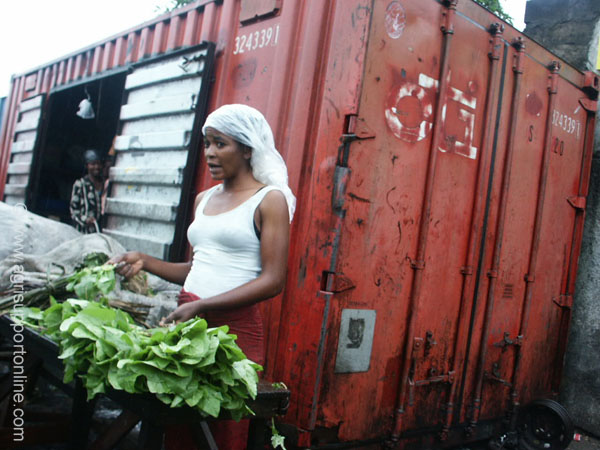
[(182, 313), (130, 263)]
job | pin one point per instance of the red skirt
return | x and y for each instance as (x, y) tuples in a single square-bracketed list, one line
[(246, 323)]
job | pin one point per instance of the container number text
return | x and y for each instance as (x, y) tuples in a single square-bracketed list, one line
[(566, 123), (257, 39)]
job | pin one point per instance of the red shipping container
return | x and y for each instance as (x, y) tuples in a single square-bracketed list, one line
[(441, 163)]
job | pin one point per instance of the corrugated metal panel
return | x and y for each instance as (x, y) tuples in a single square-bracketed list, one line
[(149, 173), (25, 136)]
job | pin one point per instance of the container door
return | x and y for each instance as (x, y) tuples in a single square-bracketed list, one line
[(519, 328), (22, 150), (461, 190), (157, 150), (413, 213)]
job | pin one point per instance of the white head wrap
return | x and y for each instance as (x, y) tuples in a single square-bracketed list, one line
[(248, 126)]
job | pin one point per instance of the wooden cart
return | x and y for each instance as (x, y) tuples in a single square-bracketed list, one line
[(41, 359)]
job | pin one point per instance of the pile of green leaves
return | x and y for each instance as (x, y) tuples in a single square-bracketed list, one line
[(185, 364), (90, 282)]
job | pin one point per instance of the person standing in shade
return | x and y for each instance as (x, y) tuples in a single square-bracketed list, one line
[(86, 196)]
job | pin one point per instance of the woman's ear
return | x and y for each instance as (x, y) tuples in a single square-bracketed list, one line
[(247, 152)]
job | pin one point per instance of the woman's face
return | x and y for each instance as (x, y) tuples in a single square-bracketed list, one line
[(225, 156)]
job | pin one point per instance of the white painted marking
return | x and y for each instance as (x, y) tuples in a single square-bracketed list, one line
[(256, 40)]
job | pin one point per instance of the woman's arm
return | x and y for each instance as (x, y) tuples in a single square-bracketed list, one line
[(273, 252), (136, 261)]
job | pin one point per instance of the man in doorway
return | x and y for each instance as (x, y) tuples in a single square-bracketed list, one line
[(85, 203)]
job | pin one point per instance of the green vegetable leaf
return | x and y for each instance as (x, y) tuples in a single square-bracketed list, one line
[(277, 440), (185, 364)]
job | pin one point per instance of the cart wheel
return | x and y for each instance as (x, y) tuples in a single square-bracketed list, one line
[(544, 424)]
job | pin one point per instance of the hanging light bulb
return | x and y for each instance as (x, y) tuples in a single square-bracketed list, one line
[(85, 110)]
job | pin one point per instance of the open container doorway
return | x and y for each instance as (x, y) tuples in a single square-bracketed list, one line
[(65, 138)]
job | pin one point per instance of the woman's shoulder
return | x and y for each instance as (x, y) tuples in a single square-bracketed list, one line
[(203, 194), (269, 194), (273, 201), (273, 191)]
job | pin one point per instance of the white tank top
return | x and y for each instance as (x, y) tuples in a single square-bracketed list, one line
[(226, 248)]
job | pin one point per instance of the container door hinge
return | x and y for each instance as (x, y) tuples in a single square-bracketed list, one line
[(356, 128), (564, 301), (336, 282), (577, 202)]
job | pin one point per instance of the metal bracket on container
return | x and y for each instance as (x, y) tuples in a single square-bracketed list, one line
[(564, 301), (494, 377), (336, 282), (432, 379), (589, 105), (448, 16), (466, 270), (507, 341), (422, 347), (492, 273), (577, 202), (591, 85), (356, 129), (554, 67), (429, 342), (519, 46), (418, 350), (359, 127), (496, 30)]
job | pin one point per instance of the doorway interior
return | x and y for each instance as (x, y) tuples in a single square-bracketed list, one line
[(65, 138)]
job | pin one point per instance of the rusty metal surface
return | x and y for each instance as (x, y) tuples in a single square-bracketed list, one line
[(441, 164)]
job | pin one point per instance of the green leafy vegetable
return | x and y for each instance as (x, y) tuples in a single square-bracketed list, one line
[(185, 364), (90, 282), (277, 440)]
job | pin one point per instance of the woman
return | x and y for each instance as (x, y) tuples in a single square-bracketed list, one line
[(240, 239)]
